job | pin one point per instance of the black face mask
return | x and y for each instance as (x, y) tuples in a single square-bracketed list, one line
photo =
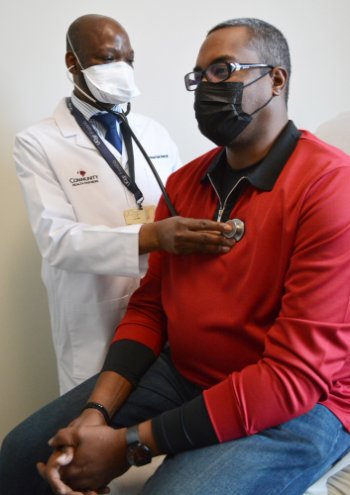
[(218, 110)]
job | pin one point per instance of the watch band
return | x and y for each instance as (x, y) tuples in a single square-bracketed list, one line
[(137, 454), (99, 407), (132, 435)]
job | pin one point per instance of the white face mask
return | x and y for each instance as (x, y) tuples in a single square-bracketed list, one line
[(112, 83)]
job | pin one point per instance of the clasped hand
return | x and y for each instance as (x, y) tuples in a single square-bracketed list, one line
[(86, 458)]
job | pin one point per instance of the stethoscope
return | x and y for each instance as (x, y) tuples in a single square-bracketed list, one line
[(238, 227), (123, 116)]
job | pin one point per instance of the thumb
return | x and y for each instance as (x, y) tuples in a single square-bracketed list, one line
[(41, 468), (65, 456), (63, 437)]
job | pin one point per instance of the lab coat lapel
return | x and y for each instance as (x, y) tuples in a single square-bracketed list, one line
[(69, 127)]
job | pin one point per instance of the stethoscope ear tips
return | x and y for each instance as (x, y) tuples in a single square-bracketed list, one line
[(237, 231)]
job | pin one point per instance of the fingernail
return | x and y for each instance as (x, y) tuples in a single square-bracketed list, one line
[(63, 459)]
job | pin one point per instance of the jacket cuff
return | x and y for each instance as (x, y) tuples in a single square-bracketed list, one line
[(129, 359), (184, 428)]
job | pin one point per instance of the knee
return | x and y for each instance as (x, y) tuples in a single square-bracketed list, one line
[(20, 451), (9, 445), (11, 451), (9, 448), (23, 445)]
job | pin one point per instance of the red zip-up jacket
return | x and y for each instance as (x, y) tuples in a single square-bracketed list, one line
[(265, 328)]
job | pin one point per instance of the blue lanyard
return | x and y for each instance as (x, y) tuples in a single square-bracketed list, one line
[(127, 181)]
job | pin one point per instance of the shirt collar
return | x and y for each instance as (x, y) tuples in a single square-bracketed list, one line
[(267, 172), (86, 109)]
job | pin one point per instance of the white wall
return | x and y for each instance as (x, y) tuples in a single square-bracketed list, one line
[(166, 37)]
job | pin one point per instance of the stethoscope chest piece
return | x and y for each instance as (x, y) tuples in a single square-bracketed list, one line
[(237, 231)]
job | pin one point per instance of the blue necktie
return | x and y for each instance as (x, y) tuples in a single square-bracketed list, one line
[(108, 120)]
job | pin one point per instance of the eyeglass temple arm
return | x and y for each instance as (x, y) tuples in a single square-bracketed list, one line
[(249, 66)]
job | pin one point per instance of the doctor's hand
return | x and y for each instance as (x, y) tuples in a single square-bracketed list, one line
[(86, 459), (179, 235)]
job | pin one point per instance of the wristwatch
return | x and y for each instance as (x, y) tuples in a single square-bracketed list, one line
[(137, 454)]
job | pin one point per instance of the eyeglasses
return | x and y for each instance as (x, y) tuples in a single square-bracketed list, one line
[(217, 72)]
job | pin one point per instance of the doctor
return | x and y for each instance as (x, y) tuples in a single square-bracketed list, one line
[(84, 197)]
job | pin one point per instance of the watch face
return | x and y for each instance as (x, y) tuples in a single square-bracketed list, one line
[(138, 454)]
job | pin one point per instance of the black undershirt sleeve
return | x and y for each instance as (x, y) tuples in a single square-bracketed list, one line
[(130, 359), (184, 428)]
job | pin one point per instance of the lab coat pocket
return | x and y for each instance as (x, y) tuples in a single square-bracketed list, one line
[(92, 326)]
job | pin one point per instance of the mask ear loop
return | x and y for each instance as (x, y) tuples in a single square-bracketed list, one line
[(262, 106), (257, 79), (68, 73), (73, 51), (70, 79), (252, 82)]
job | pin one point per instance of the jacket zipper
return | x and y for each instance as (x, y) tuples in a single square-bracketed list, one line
[(223, 206)]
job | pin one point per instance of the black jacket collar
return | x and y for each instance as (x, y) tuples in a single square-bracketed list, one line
[(268, 170)]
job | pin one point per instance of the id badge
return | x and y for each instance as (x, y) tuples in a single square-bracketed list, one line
[(135, 216)]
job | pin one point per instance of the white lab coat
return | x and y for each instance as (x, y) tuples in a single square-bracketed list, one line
[(90, 262)]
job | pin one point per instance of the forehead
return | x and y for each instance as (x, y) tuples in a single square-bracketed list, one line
[(105, 35), (229, 43)]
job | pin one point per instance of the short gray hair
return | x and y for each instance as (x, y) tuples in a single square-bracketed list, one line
[(267, 40)]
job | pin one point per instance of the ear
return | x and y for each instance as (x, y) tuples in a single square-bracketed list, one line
[(72, 63), (279, 77)]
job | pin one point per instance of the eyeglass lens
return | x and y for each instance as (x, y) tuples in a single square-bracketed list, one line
[(192, 80), (214, 73), (218, 72)]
